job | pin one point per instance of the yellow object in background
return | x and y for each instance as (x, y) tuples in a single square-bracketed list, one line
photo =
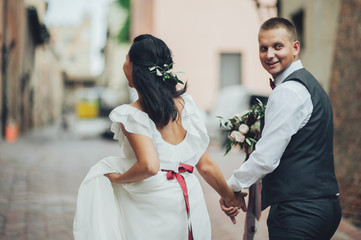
[(87, 109)]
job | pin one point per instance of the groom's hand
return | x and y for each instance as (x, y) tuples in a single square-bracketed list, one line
[(241, 202), (231, 206)]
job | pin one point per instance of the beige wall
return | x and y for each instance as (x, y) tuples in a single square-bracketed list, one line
[(47, 84), (115, 54), (72, 46), (198, 31), (320, 24)]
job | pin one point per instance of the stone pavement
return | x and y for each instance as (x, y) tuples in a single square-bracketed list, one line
[(41, 172)]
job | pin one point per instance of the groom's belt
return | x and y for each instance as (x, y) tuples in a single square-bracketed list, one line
[(336, 196), (330, 196)]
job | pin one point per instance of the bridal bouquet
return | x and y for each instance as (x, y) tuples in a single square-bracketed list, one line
[(244, 129)]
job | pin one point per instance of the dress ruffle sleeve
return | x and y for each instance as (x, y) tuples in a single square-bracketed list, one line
[(133, 120), (188, 151), (194, 125)]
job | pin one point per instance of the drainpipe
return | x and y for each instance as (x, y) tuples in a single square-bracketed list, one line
[(5, 56), (4, 113)]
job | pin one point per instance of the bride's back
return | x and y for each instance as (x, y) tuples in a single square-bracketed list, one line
[(173, 132)]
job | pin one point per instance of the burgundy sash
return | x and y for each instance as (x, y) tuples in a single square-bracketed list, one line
[(171, 175)]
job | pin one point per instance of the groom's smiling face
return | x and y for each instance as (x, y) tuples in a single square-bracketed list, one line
[(276, 50)]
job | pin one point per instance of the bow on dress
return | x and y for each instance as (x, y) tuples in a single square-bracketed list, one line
[(171, 175)]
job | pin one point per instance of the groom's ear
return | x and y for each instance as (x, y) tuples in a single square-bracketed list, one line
[(296, 48)]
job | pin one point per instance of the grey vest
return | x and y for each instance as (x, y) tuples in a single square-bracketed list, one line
[(306, 169)]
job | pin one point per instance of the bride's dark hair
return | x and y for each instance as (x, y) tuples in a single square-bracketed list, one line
[(157, 93)]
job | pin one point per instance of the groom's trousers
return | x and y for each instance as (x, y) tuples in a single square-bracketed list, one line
[(311, 219)]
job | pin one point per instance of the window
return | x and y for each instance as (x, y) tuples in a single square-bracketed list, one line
[(230, 69), (298, 21)]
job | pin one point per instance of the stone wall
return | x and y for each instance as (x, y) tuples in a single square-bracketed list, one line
[(31, 80), (345, 94)]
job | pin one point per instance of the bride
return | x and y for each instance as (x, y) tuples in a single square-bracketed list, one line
[(150, 191)]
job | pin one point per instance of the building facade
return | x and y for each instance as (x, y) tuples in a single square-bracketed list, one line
[(115, 53), (214, 43), (31, 83), (317, 24)]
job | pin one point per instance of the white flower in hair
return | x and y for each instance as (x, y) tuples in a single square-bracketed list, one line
[(165, 72)]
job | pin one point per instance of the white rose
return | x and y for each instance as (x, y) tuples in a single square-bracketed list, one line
[(243, 129), (237, 136)]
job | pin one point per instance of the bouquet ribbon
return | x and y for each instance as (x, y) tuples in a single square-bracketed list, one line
[(253, 212)]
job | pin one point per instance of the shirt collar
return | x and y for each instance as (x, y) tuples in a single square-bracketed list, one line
[(291, 68)]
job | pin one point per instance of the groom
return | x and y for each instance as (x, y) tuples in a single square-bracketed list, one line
[(294, 157)]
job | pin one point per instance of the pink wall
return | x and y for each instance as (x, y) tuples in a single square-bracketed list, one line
[(197, 32)]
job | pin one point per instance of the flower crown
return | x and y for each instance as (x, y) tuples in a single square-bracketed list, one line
[(165, 72)]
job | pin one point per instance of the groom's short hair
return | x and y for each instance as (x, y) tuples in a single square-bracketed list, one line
[(278, 22)]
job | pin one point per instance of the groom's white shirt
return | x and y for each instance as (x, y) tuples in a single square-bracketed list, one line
[(288, 109)]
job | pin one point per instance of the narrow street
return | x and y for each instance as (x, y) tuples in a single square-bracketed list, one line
[(41, 172)]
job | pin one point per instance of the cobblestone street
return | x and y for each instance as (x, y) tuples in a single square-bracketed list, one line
[(41, 172)]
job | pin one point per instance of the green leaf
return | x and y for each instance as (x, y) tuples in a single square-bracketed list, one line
[(124, 3), (228, 148), (179, 81)]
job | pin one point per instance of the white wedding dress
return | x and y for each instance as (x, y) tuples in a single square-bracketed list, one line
[(152, 209)]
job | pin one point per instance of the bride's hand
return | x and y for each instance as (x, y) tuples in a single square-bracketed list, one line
[(113, 177)]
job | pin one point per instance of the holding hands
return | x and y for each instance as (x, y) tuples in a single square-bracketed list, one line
[(231, 207)]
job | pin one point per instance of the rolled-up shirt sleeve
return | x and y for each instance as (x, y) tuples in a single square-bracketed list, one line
[(288, 109)]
